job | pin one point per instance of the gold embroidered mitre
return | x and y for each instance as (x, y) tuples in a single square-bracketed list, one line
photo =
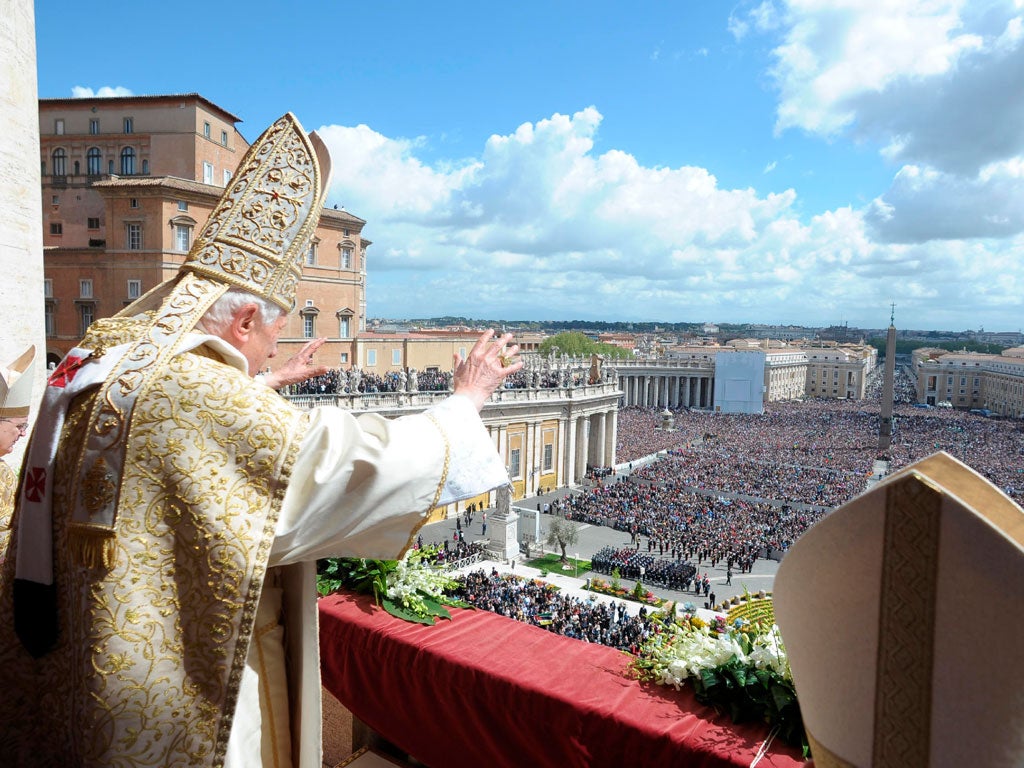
[(16, 386), (258, 233), (253, 241)]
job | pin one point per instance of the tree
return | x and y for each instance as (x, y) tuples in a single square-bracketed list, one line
[(562, 533), (578, 344)]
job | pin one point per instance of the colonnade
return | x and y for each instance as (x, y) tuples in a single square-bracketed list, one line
[(584, 439), (667, 390)]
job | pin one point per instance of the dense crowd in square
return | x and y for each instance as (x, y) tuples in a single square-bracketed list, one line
[(537, 603)]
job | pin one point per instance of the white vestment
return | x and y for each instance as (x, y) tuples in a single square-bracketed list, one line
[(360, 487)]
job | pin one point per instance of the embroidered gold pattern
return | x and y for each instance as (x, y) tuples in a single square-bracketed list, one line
[(823, 757), (167, 627), (254, 240), (98, 489), (8, 487), (903, 683), (257, 233)]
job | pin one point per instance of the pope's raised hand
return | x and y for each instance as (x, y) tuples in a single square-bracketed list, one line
[(488, 364)]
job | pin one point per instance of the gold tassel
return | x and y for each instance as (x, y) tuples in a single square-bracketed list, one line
[(92, 548)]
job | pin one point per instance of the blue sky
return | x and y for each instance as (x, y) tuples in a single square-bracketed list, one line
[(805, 162)]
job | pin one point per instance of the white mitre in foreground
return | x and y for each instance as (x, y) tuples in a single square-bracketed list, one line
[(903, 616)]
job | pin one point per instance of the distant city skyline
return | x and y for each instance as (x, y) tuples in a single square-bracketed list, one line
[(758, 162), (582, 323)]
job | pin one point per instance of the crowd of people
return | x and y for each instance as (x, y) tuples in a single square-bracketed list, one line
[(356, 381), (541, 605), (681, 525), (818, 452)]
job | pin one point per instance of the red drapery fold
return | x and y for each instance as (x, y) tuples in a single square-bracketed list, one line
[(484, 690)]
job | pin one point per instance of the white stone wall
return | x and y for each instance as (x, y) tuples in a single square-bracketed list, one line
[(21, 233)]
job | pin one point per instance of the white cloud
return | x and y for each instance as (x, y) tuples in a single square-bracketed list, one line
[(540, 225), (764, 17), (105, 92), (925, 204), (771, 166), (937, 82)]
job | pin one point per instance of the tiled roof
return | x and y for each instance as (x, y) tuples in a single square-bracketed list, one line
[(71, 101)]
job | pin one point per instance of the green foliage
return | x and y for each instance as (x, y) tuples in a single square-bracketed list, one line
[(616, 575), (562, 533), (575, 343), (751, 694), (419, 588), (638, 591), (906, 346), (551, 561), (363, 576)]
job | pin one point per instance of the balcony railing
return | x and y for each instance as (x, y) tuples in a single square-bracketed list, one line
[(389, 401)]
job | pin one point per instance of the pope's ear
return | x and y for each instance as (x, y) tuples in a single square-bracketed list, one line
[(244, 322)]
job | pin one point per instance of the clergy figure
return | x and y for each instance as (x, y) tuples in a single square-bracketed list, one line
[(15, 399), (172, 508)]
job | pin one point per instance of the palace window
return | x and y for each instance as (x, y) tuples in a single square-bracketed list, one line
[(133, 236), (182, 237), (86, 314), (127, 161), (93, 161), (60, 162), (514, 464)]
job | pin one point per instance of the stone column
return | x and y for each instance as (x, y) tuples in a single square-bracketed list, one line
[(599, 442), (21, 225), (570, 453), (582, 447), (646, 385), (562, 476), (611, 435), (529, 478)]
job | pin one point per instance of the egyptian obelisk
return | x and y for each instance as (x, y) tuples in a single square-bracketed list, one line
[(885, 428)]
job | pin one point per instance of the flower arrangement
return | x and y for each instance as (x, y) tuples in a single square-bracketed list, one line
[(409, 588), (737, 666), (758, 610), (638, 593)]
